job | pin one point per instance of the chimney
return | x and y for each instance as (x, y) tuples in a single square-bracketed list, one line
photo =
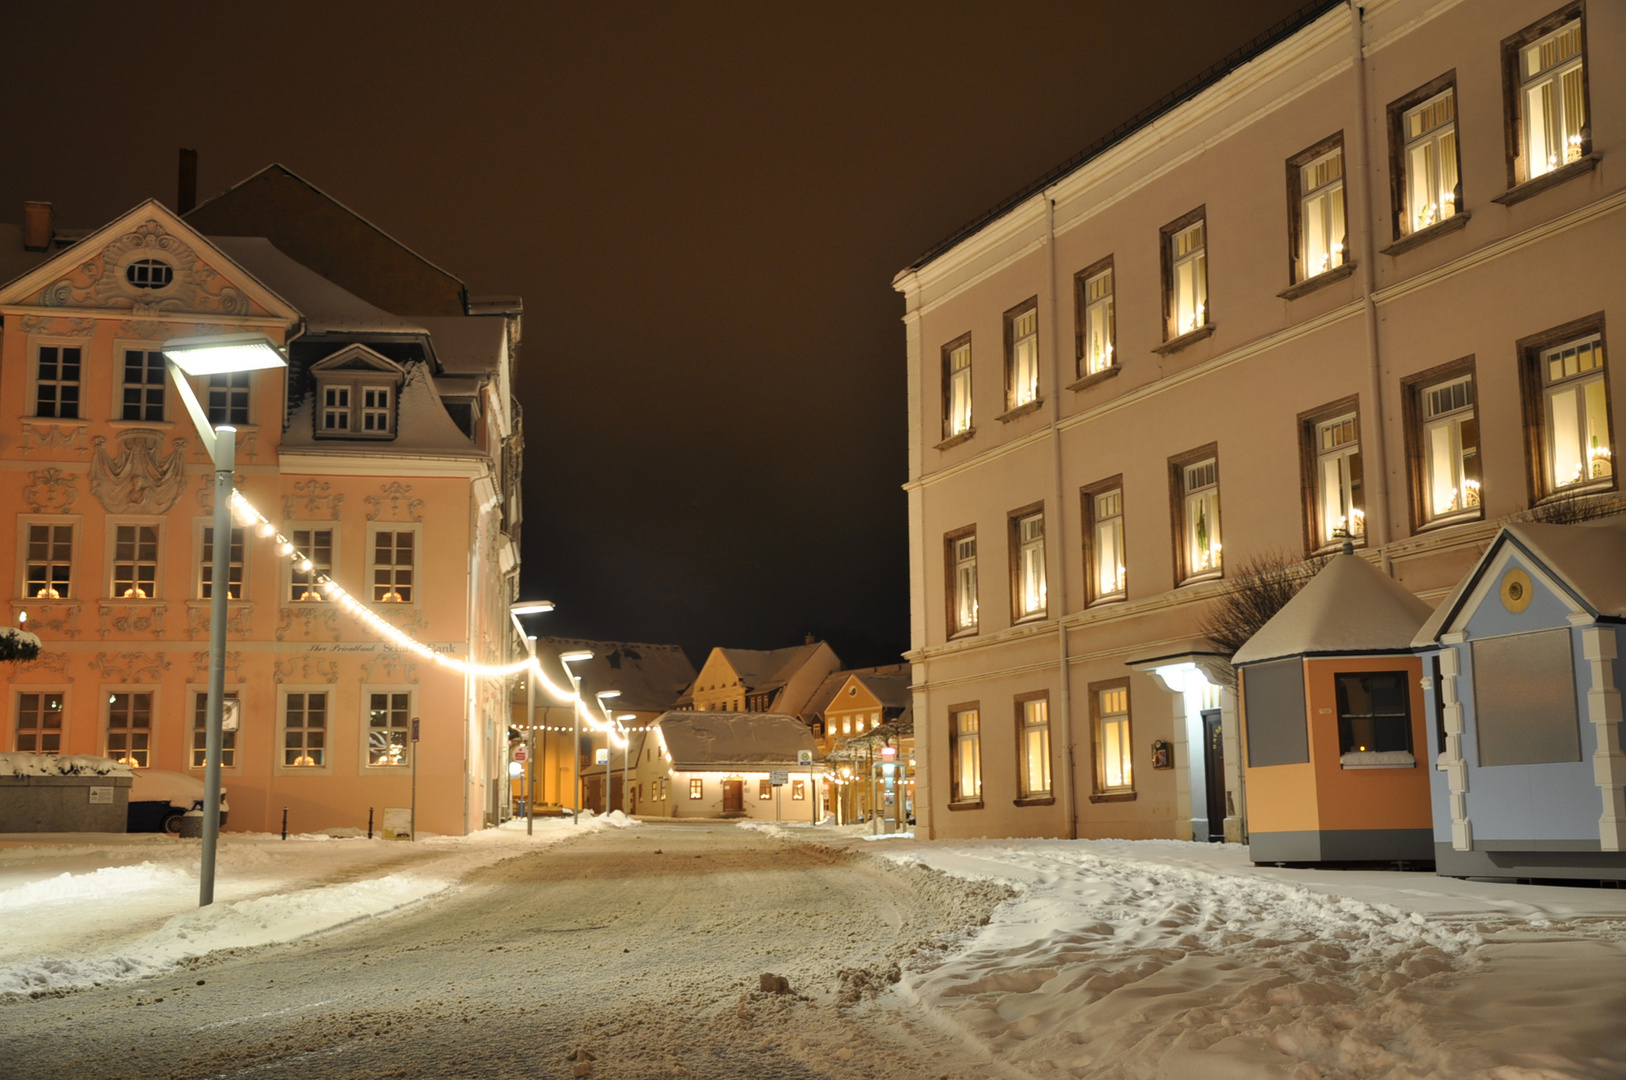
[(186, 185), (38, 224), (809, 639)]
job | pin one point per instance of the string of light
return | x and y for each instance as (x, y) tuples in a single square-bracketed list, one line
[(250, 518)]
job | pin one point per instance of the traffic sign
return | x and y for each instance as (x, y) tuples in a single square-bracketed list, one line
[(804, 757), (778, 777)]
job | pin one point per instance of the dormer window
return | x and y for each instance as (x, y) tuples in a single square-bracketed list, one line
[(356, 395)]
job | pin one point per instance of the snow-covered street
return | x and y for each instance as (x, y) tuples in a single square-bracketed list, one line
[(500, 954)]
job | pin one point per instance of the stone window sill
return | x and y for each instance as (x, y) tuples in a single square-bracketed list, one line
[(1422, 236), (1037, 800), (1095, 378), (966, 805), (1120, 796), (1174, 345), (956, 440), (1021, 410), (1520, 192), (1377, 760), (1310, 285)]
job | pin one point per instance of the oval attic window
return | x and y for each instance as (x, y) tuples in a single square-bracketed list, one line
[(149, 274)]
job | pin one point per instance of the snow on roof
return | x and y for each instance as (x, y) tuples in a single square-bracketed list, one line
[(1588, 559), (701, 741), (422, 424), (884, 692), (650, 677), (1349, 607), (325, 305), (762, 669), (467, 344)]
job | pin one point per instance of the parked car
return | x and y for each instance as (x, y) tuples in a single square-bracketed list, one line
[(159, 799)]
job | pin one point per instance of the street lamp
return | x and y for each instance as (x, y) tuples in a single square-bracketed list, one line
[(200, 356), (626, 762), (575, 656), (603, 696), (530, 607)]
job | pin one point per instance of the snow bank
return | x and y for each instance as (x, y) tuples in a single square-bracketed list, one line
[(14, 764)]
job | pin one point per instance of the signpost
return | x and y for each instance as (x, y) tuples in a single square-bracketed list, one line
[(805, 757), (414, 833), (777, 778)]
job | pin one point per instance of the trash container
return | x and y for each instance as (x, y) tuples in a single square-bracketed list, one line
[(192, 824)]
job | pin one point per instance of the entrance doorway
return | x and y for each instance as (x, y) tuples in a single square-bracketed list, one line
[(733, 796), (1214, 774)]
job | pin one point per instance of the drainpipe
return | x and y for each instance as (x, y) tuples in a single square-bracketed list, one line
[(1377, 504), (1058, 595)]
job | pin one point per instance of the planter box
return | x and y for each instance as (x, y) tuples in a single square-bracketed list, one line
[(50, 804)]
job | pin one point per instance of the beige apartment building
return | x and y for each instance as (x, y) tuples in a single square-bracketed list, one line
[(1353, 283)]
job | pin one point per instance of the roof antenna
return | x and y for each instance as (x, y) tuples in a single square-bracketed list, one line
[(186, 183)]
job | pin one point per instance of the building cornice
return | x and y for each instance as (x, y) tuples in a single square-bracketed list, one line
[(340, 464)]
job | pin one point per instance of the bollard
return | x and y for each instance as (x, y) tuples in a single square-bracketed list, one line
[(285, 823), (369, 823)]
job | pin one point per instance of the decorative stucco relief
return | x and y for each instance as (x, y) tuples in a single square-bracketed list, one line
[(60, 617), (197, 619), (51, 491), (45, 435), (137, 480), (47, 667), (319, 623), (200, 666), (63, 327), (131, 667), (312, 499), (389, 667), (120, 618), (306, 669), (394, 503), (101, 282)]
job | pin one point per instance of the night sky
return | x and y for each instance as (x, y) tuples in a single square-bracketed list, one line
[(702, 205)]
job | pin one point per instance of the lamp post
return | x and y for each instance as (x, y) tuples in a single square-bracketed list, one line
[(218, 355), (530, 607), (565, 660), (626, 762), (603, 696)]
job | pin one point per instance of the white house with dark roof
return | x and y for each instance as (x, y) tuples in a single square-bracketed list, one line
[(722, 764), (758, 680)]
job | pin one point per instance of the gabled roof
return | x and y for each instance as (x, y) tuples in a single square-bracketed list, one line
[(709, 741), (1586, 561), (467, 344), (767, 670), (327, 307), (358, 357), (1349, 607), (888, 684), (650, 677)]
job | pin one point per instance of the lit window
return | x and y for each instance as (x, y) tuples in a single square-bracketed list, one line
[(765, 789), (1105, 537), (39, 723), (1035, 765), (200, 734), (206, 565), (1321, 242), (1022, 355), (965, 753), (1374, 716), (56, 382), (50, 561), (1428, 162), (1450, 448), (304, 739), (143, 385), (388, 724), (317, 546), (1098, 333), (228, 398), (129, 728), (1339, 502), (957, 387), (1552, 101), (1114, 772), (697, 788), (135, 561), (1574, 417), (393, 561), (798, 790), (1200, 521), (1028, 534), (963, 584), (1185, 259)]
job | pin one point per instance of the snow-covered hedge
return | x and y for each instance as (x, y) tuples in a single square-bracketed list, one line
[(60, 765), (18, 644)]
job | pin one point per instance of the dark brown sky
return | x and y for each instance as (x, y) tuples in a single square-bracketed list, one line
[(702, 204)]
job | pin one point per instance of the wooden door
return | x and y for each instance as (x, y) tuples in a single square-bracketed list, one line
[(1214, 774), (733, 796)]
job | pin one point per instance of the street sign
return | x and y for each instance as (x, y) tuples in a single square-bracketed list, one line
[(520, 753), (414, 729), (601, 756), (804, 757), (231, 714), (778, 777)]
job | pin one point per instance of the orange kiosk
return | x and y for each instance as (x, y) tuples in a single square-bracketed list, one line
[(1335, 748)]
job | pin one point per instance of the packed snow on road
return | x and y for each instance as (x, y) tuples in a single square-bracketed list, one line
[(1098, 958)]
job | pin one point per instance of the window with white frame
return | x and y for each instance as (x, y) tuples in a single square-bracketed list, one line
[(143, 397), (336, 408), (304, 729), (1114, 771), (1105, 538), (957, 387), (1428, 162), (697, 788), (765, 789), (129, 728), (1340, 505), (965, 755), (317, 547), (1199, 527), (1034, 769), (962, 583), (1552, 96), (206, 565), (39, 723), (1321, 240), (394, 565), (1027, 534), (49, 570), (228, 398), (1575, 414), (135, 561), (56, 382), (376, 411), (389, 723), (798, 790), (200, 733), (1022, 354), (1185, 261), (1449, 445), (1097, 332)]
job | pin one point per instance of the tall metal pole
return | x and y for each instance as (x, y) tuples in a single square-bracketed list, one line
[(626, 775), (530, 737), (225, 460), (576, 751)]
